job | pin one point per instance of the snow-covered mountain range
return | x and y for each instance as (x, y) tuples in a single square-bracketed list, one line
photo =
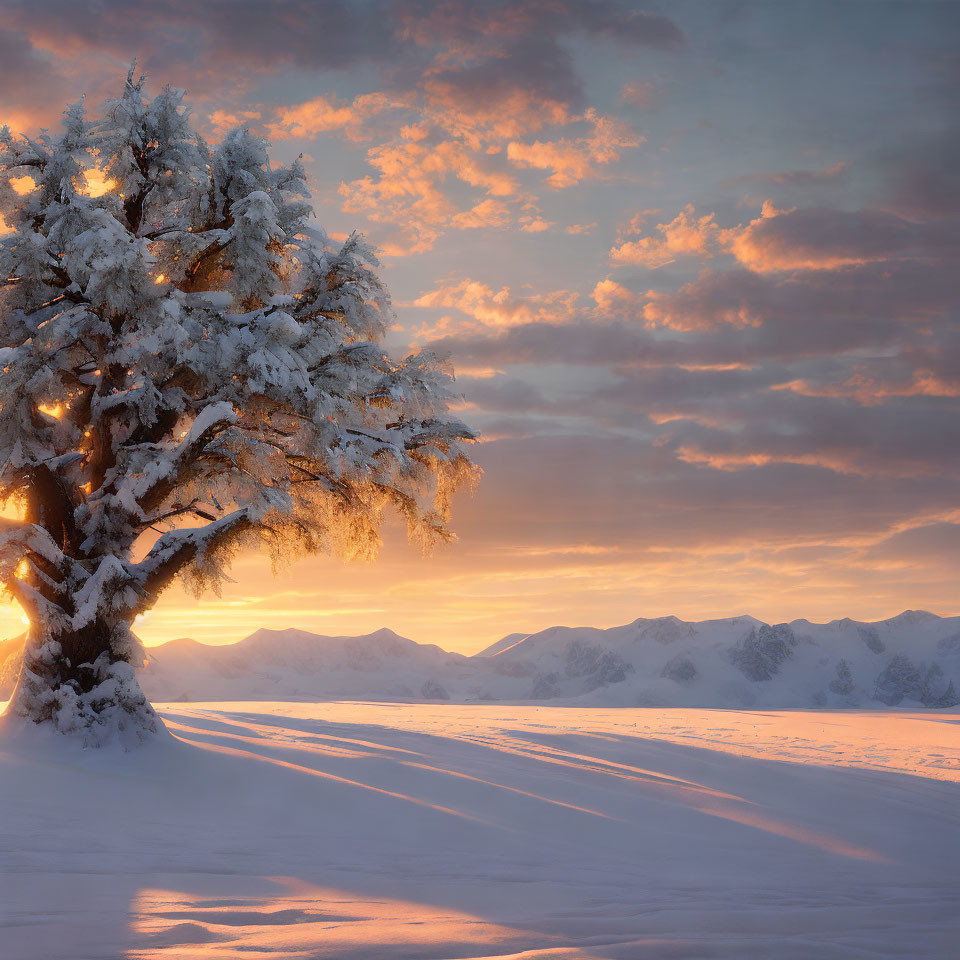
[(910, 660)]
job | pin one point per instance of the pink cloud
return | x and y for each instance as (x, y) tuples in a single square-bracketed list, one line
[(816, 238), (685, 235), (323, 115), (714, 299), (734, 462), (820, 239), (615, 300), (409, 190), (536, 225), (870, 389), (510, 113), (573, 160), (487, 213), (497, 309), (223, 121)]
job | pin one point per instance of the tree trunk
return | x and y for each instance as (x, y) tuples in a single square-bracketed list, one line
[(84, 683)]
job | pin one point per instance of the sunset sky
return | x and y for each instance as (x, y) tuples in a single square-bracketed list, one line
[(695, 264)]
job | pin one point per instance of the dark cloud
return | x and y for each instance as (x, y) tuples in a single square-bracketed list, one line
[(502, 394), (626, 25), (848, 370), (790, 178), (536, 68), (812, 312), (582, 343), (477, 25), (740, 317), (496, 53), (204, 38), (33, 84), (931, 543), (907, 437), (626, 492), (487, 49), (743, 420), (822, 237), (925, 179)]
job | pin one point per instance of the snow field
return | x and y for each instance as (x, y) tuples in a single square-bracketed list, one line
[(361, 831)]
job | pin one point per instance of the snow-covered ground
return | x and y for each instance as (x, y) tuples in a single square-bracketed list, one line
[(361, 831)]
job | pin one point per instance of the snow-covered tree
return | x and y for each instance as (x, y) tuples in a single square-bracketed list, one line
[(760, 654), (843, 683), (937, 690), (900, 678), (188, 367)]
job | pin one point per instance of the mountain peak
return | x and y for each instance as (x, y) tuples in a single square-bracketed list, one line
[(385, 633), (913, 616)]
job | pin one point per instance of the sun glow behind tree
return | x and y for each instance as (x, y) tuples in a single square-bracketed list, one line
[(189, 367)]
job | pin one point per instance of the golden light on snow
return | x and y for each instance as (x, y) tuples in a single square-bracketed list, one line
[(23, 185), (51, 410), (258, 924), (13, 510), (97, 183)]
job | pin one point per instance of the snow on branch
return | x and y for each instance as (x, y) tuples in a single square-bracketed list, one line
[(175, 549), (19, 541)]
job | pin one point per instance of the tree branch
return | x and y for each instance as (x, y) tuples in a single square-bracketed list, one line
[(175, 549)]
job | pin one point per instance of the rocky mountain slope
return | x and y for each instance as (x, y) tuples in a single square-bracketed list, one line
[(910, 659)]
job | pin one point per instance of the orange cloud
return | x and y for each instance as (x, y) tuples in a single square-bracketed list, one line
[(516, 113), (670, 416), (732, 462), (501, 308), (634, 226), (223, 121), (536, 225), (323, 115), (573, 160), (685, 311), (408, 191), (658, 309), (685, 235), (817, 239), (487, 213), (780, 240), (613, 298), (870, 391)]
